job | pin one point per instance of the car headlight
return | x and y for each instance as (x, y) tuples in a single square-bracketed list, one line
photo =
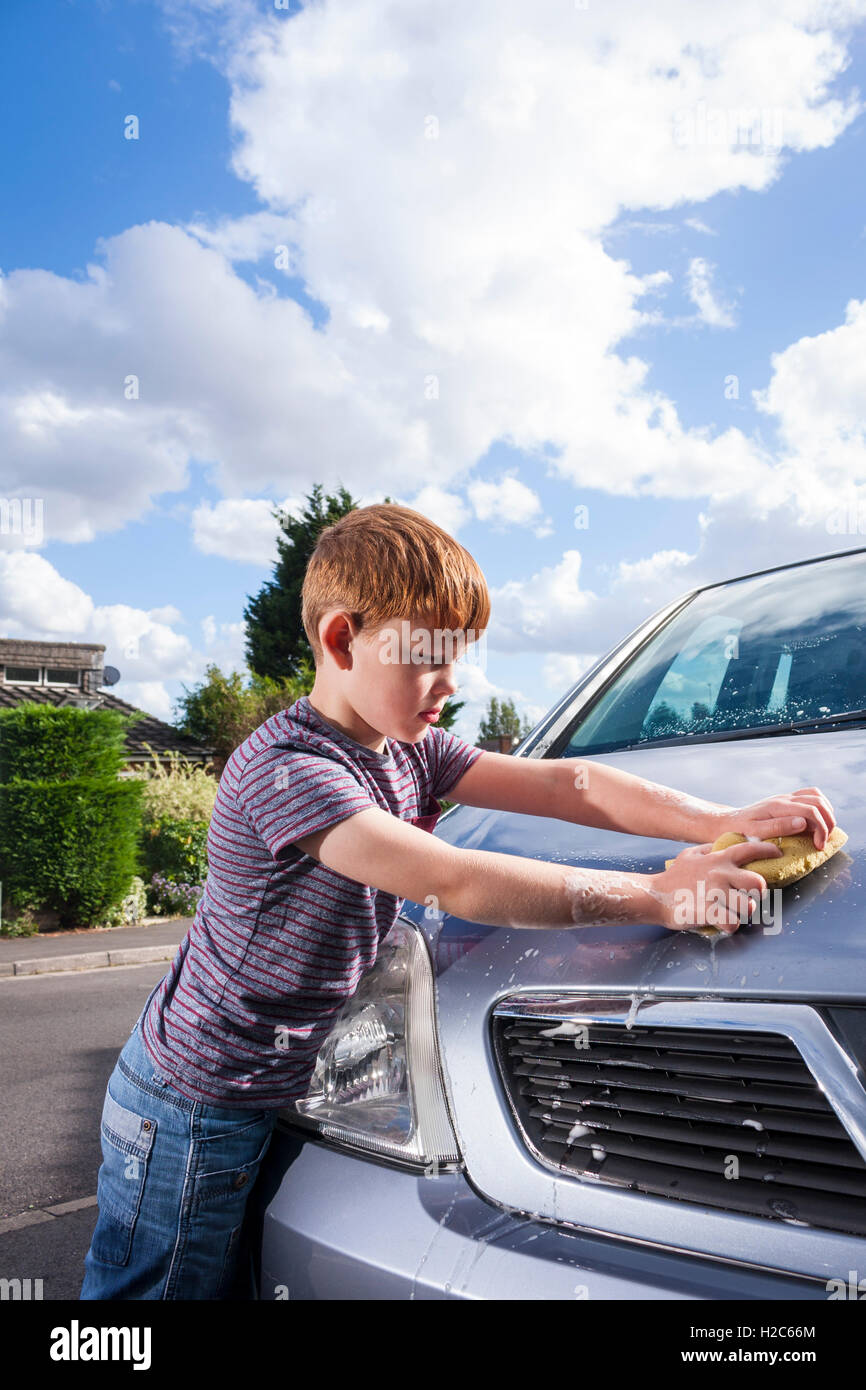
[(377, 1083)]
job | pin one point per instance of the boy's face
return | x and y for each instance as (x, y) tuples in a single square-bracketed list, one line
[(396, 673)]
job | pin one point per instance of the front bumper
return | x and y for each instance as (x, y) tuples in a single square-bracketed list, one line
[(338, 1226)]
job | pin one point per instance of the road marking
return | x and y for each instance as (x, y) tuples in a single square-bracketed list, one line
[(37, 1215)]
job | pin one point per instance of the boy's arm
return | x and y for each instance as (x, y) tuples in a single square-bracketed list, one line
[(379, 849), (593, 793), (587, 793)]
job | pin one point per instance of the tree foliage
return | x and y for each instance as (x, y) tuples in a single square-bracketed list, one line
[(502, 719), (450, 712), (276, 644), (222, 710)]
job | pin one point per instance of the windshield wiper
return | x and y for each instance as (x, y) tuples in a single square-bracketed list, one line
[(796, 725)]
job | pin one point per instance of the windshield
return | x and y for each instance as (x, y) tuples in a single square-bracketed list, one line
[(780, 648)]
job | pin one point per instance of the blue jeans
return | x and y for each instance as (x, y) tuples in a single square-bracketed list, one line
[(172, 1189)]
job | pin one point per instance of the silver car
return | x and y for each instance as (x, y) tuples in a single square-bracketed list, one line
[(616, 1111)]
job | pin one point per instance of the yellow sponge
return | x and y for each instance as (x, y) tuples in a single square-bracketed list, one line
[(798, 858)]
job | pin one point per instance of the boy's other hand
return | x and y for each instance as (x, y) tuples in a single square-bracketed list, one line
[(708, 888)]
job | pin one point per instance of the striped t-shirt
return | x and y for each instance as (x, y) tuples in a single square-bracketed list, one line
[(280, 941)]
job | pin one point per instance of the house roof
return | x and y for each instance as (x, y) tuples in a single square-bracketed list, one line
[(161, 736), (80, 655)]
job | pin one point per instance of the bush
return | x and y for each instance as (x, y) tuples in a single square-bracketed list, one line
[(131, 909), (21, 923), (167, 897), (70, 845), (178, 801), (181, 791), (44, 743), (222, 710), (176, 849), (68, 825)]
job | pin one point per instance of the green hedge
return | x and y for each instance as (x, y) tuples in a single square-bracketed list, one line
[(69, 846), (69, 826), (46, 743)]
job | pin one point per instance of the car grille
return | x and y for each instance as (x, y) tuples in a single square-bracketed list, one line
[(664, 1110)]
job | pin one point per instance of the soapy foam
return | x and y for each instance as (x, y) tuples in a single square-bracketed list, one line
[(594, 896), (691, 805)]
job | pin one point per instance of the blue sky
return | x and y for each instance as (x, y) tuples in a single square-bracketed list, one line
[(141, 537)]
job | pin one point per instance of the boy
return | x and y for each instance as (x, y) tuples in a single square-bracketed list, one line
[(315, 842)]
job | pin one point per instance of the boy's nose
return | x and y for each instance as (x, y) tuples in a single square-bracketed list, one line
[(445, 688)]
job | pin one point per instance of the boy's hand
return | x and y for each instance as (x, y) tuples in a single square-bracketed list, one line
[(721, 901), (793, 814)]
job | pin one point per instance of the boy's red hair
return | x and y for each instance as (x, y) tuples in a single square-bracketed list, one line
[(387, 562)]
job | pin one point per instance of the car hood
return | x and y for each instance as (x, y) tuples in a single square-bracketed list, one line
[(813, 950)]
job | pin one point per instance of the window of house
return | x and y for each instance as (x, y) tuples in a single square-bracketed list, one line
[(58, 676), (23, 675)]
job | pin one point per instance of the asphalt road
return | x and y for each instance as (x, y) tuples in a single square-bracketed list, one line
[(60, 1038)]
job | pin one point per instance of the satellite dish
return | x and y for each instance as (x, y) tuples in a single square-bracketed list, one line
[(110, 675)]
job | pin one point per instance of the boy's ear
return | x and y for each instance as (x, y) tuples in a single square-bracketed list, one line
[(335, 635)]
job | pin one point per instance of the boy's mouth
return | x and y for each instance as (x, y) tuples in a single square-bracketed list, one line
[(431, 714)]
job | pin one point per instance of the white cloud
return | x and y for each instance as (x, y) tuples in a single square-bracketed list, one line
[(35, 599), (564, 669), (240, 528), (637, 224), (368, 316), (469, 262), (38, 604), (250, 238), (508, 502), (697, 225), (734, 540), (224, 644), (551, 612), (699, 280), (447, 509), (151, 696), (818, 389), (95, 466), (656, 281), (647, 572), (474, 257), (168, 614), (546, 611)]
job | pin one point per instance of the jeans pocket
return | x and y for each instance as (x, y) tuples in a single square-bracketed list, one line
[(127, 1138), (226, 1176)]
